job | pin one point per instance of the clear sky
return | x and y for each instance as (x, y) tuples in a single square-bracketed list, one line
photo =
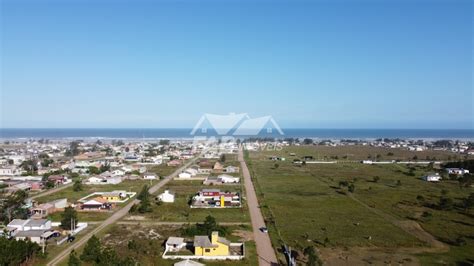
[(310, 64)]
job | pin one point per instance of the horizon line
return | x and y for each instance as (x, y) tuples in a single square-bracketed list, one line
[(190, 128)]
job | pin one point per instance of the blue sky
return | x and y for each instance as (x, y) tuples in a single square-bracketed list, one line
[(309, 64)]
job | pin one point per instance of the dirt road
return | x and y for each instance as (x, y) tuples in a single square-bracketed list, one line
[(265, 251), (115, 217)]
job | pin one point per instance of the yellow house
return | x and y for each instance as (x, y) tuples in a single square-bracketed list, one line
[(111, 196), (217, 246)]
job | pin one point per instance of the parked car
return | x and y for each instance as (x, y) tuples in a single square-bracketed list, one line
[(263, 229)]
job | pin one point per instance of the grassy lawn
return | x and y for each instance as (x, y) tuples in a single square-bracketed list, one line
[(162, 170), (179, 211), (321, 214), (83, 216)]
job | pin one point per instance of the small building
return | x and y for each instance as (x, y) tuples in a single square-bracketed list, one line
[(231, 169), (59, 179), (174, 163), (166, 196), (218, 167), (184, 175), (228, 179), (175, 244), (149, 176), (114, 196), (35, 236), (457, 171), (216, 246), (30, 224), (432, 177), (45, 209), (96, 204)]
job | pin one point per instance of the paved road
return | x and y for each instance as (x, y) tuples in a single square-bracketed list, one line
[(115, 217), (51, 191), (265, 251)]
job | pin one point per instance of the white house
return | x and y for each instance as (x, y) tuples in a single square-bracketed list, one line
[(98, 180), (35, 236), (149, 176), (10, 171), (166, 196), (228, 178), (432, 177), (30, 224), (457, 171), (117, 172), (174, 244), (191, 171), (184, 175), (231, 169)]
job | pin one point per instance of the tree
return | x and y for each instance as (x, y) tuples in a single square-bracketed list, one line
[(68, 218), (222, 158), (468, 202), (144, 193), (376, 179), (351, 188), (94, 170), (307, 141), (77, 185), (13, 252), (275, 166), (73, 259), (312, 257), (11, 207), (92, 250), (73, 149), (145, 201)]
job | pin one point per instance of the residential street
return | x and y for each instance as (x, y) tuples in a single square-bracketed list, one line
[(115, 217), (265, 251)]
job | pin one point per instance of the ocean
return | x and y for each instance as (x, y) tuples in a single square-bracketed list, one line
[(185, 133)]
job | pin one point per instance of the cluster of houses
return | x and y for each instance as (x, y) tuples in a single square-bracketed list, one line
[(206, 167), (46, 158)]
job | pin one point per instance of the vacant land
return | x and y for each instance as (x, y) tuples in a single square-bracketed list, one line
[(390, 210), (359, 152)]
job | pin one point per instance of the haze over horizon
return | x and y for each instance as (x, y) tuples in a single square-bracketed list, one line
[(309, 64)]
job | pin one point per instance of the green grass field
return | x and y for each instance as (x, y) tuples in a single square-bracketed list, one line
[(324, 214)]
